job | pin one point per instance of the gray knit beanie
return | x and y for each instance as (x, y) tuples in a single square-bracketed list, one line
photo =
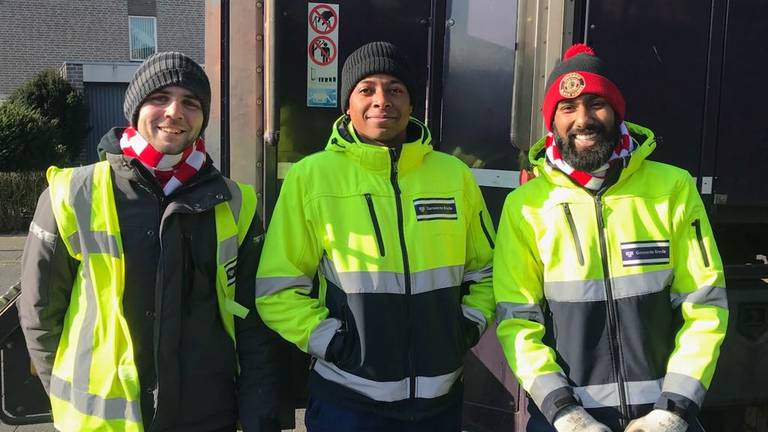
[(162, 70), (370, 59)]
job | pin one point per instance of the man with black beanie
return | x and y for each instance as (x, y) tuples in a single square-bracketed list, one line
[(611, 305), (138, 276), (402, 244)]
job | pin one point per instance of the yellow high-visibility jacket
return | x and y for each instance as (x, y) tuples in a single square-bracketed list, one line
[(402, 244), (94, 382), (614, 300)]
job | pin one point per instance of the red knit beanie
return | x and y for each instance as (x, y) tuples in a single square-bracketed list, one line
[(580, 72)]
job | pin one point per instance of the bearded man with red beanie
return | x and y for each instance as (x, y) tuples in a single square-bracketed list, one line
[(138, 276), (611, 305)]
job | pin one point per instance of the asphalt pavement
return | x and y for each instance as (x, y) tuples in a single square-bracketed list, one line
[(11, 247)]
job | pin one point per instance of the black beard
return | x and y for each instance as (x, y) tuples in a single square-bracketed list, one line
[(593, 157)]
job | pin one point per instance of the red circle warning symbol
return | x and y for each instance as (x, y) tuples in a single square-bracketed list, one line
[(323, 19), (322, 50)]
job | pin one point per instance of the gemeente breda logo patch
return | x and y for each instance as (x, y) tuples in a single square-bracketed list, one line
[(645, 252), (435, 208)]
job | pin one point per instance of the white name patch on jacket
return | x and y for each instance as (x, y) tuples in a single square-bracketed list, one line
[(435, 208), (645, 252)]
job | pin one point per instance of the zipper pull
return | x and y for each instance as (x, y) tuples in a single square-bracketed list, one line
[(393, 157)]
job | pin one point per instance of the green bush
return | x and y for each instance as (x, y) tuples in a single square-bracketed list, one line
[(59, 103), (18, 194), (25, 139)]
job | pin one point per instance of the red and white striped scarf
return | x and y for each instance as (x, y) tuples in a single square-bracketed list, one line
[(590, 180), (171, 171)]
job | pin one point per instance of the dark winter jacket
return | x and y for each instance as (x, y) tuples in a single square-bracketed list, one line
[(187, 364)]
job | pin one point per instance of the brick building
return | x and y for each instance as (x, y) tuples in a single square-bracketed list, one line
[(96, 44)]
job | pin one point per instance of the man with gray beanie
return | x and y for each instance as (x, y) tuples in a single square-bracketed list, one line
[(402, 244), (138, 276)]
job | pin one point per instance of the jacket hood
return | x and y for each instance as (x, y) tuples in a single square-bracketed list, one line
[(643, 137), (418, 144), (110, 143)]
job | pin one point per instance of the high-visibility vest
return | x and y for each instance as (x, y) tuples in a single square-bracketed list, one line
[(94, 382)]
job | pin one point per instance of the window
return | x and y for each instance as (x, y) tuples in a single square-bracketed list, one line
[(143, 38)]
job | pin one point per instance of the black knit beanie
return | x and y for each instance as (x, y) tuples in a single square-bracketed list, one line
[(162, 70), (370, 59)]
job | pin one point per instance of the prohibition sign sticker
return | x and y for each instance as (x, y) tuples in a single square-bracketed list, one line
[(323, 19), (322, 50)]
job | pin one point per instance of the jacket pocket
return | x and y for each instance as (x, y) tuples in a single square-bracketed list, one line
[(574, 233), (376, 227), (697, 227), (485, 231)]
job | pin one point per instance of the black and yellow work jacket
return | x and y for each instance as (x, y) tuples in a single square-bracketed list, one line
[(402, 244), (614, 300)]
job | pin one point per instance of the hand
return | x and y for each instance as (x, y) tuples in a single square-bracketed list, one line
[(658, 421), (576, 419)]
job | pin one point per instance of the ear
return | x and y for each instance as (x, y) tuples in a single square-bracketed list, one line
[(347, 112)]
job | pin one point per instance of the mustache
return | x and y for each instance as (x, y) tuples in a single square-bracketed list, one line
[(596, 128)]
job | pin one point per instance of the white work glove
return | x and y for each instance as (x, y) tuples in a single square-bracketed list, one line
[(658, 421), (576, 419)]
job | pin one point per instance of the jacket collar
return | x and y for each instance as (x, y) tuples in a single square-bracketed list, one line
[(378, 158), (644, 136)]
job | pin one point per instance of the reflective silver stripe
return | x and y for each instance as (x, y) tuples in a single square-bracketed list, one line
[(369, 282), (622, 287), (236, 203), (607, 395), (270, 285), (432, 387), (37, 231), (478, 275), (80, 196), (94, 405), (328, 270), (321, 336), (476, 316), (87, 241), (388, 391), (545, 384), (228, 249), (74, 242), (99, 242), (508, 310), (706, 295), (81, 203), (435, 279), (686, 386)]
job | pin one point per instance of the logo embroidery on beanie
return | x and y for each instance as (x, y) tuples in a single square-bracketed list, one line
[(572, 85)]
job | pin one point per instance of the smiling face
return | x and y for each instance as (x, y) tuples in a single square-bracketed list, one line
[(170, 119), (379, 108), (586, 131)]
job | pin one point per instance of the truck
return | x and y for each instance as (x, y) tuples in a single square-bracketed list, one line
[(691, 70)]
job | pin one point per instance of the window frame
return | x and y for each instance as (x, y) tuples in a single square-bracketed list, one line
[(130, 36)]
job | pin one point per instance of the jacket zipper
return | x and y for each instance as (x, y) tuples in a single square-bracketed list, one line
[(376, 227), (158, 293), (613, 327), (574, 233), (406, 272), (697, 225)]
